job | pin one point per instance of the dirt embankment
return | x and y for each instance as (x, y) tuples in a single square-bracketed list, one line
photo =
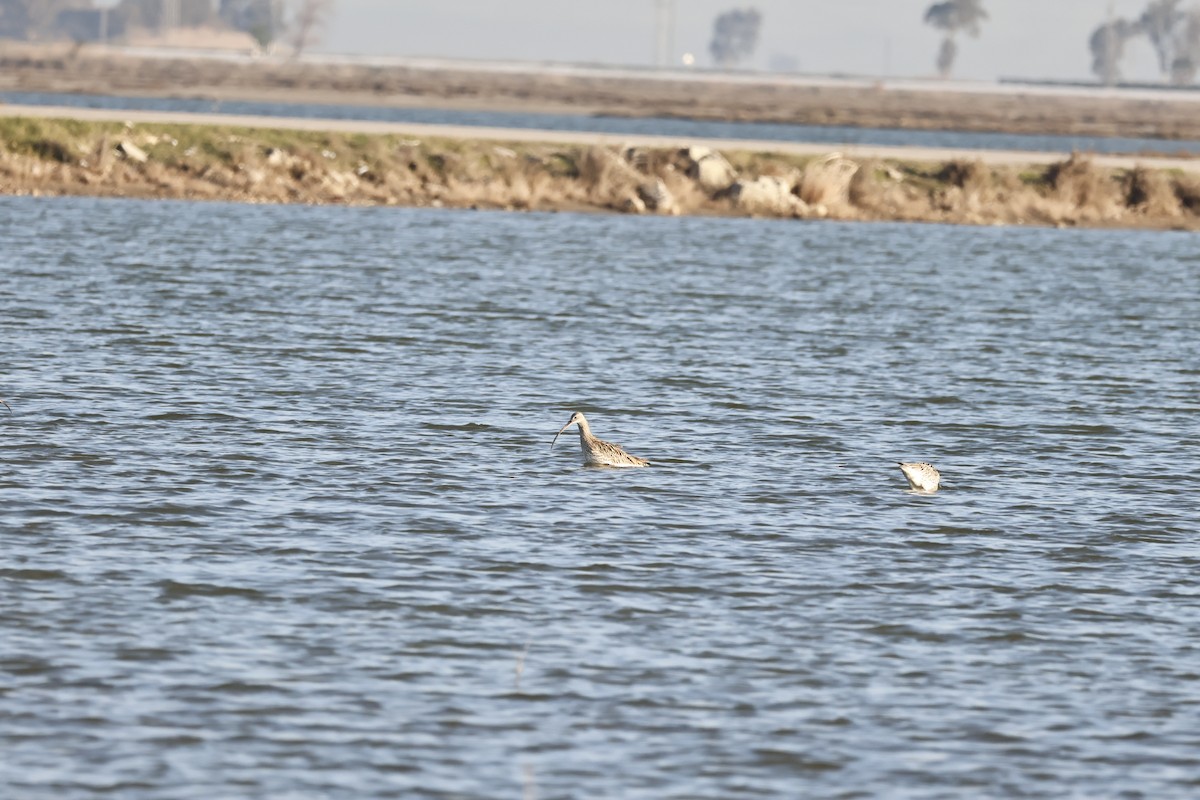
[(70, 157), (61, 68)]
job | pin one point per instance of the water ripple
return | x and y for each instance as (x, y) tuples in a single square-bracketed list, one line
[(281, 517)]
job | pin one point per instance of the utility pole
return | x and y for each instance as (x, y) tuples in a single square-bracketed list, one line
[(664, 23), (170, 14), (1110, 66)]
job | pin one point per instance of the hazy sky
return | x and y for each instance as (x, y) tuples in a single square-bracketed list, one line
[(1025, 38)]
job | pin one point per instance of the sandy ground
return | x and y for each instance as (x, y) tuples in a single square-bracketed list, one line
[(909, 154)]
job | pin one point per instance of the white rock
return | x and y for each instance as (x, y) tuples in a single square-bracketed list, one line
[(767, 194), (132, 152), (633, 205), (657, 197), (710, 169)]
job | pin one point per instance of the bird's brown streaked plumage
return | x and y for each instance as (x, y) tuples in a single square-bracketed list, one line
[(597, 452), (922, 476)]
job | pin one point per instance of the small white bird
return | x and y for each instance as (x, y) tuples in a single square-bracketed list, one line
[(922, 477), (597, 452)]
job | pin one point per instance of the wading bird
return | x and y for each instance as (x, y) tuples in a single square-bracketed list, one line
[(597, 452), (921, 476)]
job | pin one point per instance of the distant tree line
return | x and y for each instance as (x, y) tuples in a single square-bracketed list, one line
[(735, 35), (83, 21), (1174, 33), (951, 18)]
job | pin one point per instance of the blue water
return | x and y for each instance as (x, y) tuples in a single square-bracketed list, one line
[(834, 135), (279, 515)]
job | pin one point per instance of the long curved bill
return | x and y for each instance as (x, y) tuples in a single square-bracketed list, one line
[(563, 428)]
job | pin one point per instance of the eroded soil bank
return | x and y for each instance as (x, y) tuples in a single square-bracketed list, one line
[(178, 161)]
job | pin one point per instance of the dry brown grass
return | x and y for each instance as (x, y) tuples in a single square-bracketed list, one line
[(826, 181), (880, 191), (605, 175), (1187, 189), (690, 197), (1086, 192), (1151, 193), (973, 177)]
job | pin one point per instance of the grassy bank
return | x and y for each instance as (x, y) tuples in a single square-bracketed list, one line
[(66, 157)]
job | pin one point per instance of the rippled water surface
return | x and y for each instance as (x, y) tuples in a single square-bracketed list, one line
[(279, 516)]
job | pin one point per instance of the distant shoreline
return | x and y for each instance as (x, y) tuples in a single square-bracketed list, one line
[(914, 105), (532, 135), (56, 152)]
